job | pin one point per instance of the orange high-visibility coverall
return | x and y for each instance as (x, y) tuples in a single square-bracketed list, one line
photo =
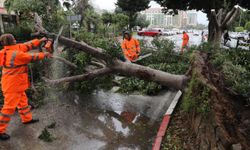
[(15, 81), (131, 49), (185, 40)]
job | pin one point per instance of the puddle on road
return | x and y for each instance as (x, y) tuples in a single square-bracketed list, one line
[(123, 121)]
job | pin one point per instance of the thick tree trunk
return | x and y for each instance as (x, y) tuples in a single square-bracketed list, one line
[(215, 34), (215, 31), (149, 74)]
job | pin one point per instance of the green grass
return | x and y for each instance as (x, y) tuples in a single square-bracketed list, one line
[(46, 136), (197, 97)]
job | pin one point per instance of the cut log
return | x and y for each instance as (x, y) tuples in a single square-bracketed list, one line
[(149, 74)]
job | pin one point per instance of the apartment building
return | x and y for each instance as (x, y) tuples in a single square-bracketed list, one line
[(159, 19)]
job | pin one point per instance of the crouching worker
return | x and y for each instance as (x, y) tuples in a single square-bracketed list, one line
[(130, 47), (14, 60)]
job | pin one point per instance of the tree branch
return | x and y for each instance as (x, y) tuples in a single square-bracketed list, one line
[(82, 46), (219, 16), (88, 76), (98, 64), (39, 24), (229, 16), (233, 17)]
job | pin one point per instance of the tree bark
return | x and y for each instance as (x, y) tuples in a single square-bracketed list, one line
[(215, 29), (149, 74), (215, 33)]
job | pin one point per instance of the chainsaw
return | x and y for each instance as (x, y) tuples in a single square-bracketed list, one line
[(51, 44), (47, 46)]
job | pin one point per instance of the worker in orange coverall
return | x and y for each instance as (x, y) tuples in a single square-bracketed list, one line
[(14, 59), (130, 47), (185, 41)]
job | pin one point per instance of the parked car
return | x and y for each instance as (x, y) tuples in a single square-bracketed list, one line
[(196, 34), (233, 35), (243, 35), (238, 35), (168, 33), (149, 32)]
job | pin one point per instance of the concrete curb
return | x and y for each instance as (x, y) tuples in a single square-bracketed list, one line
[(165, 122)]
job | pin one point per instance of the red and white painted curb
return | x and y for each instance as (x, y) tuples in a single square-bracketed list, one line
[(165, 122)]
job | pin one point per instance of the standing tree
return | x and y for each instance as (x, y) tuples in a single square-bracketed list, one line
[(50, 11), (90, 20), (221, 13), (107, 18), (120, 20), (79, 7), (242, 20), (141, 21), (131, 8)]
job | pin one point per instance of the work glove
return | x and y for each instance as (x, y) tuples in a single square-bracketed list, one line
[(43, 39)]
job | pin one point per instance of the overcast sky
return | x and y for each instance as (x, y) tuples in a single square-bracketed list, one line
[(110, 5)]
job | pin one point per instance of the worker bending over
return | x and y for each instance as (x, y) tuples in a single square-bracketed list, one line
[(185, 39), (130, 47), (14, 60)]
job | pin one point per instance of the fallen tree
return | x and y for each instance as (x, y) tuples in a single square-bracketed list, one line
[(112, 65)]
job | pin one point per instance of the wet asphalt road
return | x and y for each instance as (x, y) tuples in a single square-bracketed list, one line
[(194, 39), (100, 121)]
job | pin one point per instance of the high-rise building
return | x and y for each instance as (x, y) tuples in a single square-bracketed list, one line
[(169, 20), (180, 20), (192, 18), (155, 17)]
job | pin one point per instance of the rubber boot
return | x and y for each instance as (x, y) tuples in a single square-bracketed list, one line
[(31, 121), (4, 137)]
